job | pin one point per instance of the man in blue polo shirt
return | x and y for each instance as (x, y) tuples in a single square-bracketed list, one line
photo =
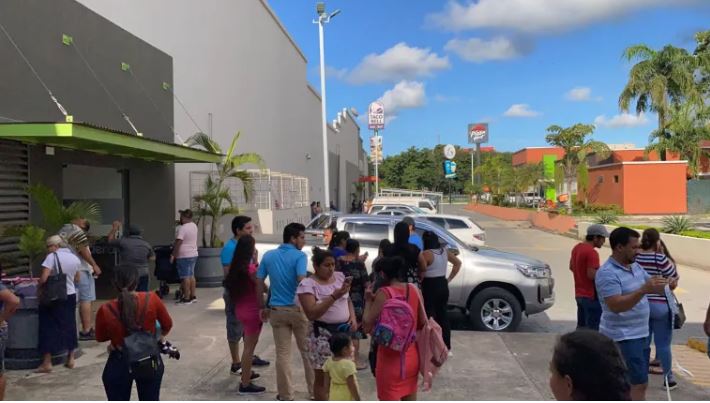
[(285, 267), (241, 225), (622, 286)]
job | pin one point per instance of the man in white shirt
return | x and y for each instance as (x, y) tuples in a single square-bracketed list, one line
[(185, 256)]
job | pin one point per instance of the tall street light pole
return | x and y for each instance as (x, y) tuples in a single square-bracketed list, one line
[(324, 18)]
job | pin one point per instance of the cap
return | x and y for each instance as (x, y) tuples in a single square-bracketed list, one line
[(409, 221), (134, 229), (597, 230), (54, 240)]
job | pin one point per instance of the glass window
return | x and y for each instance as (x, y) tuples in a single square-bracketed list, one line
[(425, 204), (367, 233), (438, 221), (376, 209), (456, 224)]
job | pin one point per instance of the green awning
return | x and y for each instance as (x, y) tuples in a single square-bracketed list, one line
[(84, 137)]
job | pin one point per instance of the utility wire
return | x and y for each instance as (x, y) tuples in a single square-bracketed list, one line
[(186, 111), (111, 97), (11, 119), (34, 72)]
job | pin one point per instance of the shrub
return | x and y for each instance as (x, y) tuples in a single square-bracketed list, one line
[(676, 224), (696, 234), (606, 218)]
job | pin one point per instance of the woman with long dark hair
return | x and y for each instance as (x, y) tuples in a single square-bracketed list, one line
[(117, 319), (656, 263), (396, 373), (352, 266), (241, 284), (325, 300), (415, 263), (587, 365), (435, 286)]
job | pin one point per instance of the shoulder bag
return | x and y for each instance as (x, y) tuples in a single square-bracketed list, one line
[(55, 289)]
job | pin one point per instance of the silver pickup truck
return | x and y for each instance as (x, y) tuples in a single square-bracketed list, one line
[(493, 286)]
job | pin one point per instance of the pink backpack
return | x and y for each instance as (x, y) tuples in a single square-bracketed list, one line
[(432, 351), (396, 326)]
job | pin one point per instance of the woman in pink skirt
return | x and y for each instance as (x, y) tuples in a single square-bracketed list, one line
[(241, 283)]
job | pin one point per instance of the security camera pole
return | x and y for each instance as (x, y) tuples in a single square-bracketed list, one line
[(324, 18)]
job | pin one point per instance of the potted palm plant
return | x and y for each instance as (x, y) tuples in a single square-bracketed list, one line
[(217, 201)]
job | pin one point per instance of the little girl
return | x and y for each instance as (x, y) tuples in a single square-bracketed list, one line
[(340, 370)]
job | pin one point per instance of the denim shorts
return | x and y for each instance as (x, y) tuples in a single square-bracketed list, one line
[(636, 353), (186, 267), (235, 330), (86, 287)]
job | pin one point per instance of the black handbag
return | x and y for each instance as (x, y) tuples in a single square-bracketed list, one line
[(55, 289), (679, 315)]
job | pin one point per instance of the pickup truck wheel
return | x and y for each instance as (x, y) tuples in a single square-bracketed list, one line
[(495, 309)]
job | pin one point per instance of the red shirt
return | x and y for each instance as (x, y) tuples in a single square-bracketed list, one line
[(108, 327), (583, 257)]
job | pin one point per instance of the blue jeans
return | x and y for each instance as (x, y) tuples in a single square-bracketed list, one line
[(660, 329), (589, 312), (186, 267)]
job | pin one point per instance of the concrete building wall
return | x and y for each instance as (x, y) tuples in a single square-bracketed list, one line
[(641, 188), (235, 60), (534, 155)]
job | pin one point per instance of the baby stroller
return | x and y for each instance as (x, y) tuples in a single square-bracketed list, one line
[(165, 271)]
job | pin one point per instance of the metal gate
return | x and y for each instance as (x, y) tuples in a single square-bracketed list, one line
[(14, 201)]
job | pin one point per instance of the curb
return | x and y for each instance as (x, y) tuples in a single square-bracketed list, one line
[(698, 344)]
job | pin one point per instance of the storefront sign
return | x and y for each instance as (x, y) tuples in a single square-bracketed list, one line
[(376, 116), (477, 133), (376, 149), (449, 169)]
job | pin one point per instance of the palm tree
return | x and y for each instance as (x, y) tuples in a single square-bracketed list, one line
[(55, 214), (573, 140), (216, 201), (520, 179), (688, 126), (658, 81)]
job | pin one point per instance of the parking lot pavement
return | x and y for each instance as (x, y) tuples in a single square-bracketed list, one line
[(485, 366)]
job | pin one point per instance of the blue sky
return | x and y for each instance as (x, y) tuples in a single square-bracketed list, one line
[(521, 65)]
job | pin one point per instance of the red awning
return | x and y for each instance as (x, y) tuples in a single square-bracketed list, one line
[(367, 179)]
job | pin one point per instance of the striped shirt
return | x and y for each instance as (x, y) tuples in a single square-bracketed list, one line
[(657, 264), (613, 279)]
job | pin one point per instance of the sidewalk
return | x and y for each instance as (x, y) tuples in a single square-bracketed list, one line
[(485, 366)]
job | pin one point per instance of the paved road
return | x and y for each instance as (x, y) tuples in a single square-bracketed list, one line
[(693, 291)]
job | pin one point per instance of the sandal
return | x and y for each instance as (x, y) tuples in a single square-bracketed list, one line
[(41, 370), (655, 363), (362, 366)]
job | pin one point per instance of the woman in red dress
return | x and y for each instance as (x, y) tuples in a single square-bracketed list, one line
[(391, 385)]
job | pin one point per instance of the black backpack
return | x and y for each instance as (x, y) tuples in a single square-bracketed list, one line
[(140, 348)]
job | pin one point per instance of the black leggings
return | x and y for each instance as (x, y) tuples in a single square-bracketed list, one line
[(118, 380), (436, 300)]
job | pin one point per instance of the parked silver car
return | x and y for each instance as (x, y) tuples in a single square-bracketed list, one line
[(493, 286)]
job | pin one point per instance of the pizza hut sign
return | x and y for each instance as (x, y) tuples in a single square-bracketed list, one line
[(477, 133)]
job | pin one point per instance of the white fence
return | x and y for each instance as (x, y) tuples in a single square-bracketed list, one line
[(271, 190)]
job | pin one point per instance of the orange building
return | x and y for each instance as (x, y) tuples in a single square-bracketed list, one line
[(534, 155), (640, 187)]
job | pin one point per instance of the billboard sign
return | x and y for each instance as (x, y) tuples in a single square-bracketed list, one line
[(376, 116), (449, 152), (449, 169), (477, 133), (376, 149)]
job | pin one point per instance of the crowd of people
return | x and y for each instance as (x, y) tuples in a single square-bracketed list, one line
[(623, 305), (629, 299)]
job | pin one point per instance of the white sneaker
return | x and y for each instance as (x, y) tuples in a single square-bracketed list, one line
[(451, 353)]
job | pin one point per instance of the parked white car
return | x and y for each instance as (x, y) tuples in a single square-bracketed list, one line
[(460, 226), (419, 202), (377, 208)]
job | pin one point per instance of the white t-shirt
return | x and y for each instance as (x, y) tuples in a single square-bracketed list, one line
[(70, 266), (188, 234)]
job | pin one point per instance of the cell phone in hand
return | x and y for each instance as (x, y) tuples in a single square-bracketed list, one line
[(349, 279)]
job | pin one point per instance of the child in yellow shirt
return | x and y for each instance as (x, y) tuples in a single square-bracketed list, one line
[(340, 370)]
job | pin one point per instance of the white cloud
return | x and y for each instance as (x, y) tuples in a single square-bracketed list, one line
[(581, 94), (400, 62), (621, 120), (520, 111), (480, 50), (334, 72), (404, 95), (538, 15)]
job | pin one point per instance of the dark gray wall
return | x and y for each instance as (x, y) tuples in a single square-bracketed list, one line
[(37, 27), (152, 188)]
